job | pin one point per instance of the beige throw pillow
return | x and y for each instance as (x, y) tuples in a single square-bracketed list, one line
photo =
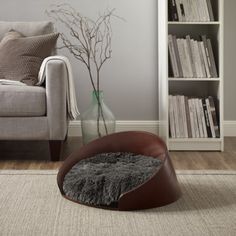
[(21, 57)]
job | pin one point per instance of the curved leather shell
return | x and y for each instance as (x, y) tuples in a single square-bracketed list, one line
[(161, 189)]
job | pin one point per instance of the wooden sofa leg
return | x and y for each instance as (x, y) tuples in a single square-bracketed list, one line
[(55, 147)]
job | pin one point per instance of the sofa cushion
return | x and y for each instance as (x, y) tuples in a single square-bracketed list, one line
[(27, 101), (21, 57), (26, 28)]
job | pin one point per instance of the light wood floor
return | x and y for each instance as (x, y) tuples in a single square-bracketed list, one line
[(35, 155)]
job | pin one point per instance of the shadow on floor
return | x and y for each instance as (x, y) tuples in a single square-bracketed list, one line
[(35, 150), (201, 196)]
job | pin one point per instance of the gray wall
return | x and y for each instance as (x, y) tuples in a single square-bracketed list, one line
[(230, 60), (130, 78)]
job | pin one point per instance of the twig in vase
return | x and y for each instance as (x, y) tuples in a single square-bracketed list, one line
[(89, 42)]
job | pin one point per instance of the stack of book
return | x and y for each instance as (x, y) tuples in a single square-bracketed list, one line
[(191, 58), (193, 117), (190, 10)]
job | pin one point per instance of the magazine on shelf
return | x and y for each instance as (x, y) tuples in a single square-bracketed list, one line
[(210, 10), (214, 117), (214, 70), (188, 117), (171, 117), (205, 135), (181, 121), (193, 117), (191, 111), (208, 75), (176, 117), (173, 10), (177, 56), (181, 56), (210, 118), (209, 134), (179, 12), (199, 119), (190, 10), (172, 54), (189, 70), (182, 10), (184, 118), (202, 65), (191, 58), (204, 39)]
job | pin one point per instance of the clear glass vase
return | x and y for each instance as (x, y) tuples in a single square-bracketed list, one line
[(98, 120)]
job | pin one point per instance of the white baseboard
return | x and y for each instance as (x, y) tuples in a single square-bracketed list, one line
[(149, 126), (121, 125), (229, 128)]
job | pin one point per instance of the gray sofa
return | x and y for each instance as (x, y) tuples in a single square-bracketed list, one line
[(33, 112)]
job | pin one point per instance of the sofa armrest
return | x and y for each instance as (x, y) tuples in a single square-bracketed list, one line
[(56, 82)]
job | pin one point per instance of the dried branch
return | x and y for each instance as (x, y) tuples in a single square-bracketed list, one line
[(89, 42)]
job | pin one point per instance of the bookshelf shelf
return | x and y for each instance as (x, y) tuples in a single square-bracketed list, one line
[(209, 140), (188, 86), (194, 23), (193, 79), (208, 144)]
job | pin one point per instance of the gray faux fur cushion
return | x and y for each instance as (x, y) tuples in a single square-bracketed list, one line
[(101, 179)]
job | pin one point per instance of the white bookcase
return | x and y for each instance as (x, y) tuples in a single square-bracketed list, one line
[(190, 86)]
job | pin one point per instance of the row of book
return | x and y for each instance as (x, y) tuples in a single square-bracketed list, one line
[(190, 10), (191, 58), (193, 117)]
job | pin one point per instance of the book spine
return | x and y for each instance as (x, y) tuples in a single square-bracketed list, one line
[(183, 110), (172, 56), (188, 117), (212, 58), (203, 118), (182, 10), (187, 10), (176, 116), (196, 125), (195, 7), (198, 59), (202, 61), (205, 60), (214, 117), (209, 6), (181, 55), (210, 118), (173, 10), (200, 10), (179, 10), (199, 119), (188, 40), (187, 60), (181, 123), (171, 117), (194, 57), (204, 39), (208, 127), (205, 9), (191, 117), (191, 11), (177, 56)]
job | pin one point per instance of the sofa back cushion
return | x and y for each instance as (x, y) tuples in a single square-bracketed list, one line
[(26, 28)]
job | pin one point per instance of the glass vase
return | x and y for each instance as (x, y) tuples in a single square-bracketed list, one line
[(98, 120)]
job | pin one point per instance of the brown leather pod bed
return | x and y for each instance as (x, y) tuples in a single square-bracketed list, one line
[(159, 190)]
